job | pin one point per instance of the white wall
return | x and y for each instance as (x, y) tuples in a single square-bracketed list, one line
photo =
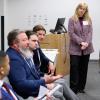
[(1, 7), (2, 3), (25, 14), (1, 13)]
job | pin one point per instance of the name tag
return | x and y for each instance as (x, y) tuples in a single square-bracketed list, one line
[(85, 22)]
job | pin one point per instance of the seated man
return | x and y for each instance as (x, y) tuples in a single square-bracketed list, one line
[(6, 91), (40, 60), (33, 43), (24, 76), (45, 64)]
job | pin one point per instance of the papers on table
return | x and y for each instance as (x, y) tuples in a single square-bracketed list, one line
[(43, 91), (51, 53)]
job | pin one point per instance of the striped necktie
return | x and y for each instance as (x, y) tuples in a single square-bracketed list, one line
[(9, 92), (32, 67)]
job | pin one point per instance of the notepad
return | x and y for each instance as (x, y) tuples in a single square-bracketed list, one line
[(50, 53), (43, 91)]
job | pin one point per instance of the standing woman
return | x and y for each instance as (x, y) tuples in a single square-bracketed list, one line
[(80, 48)]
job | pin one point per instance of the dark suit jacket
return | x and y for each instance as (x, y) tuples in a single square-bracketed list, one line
[(23, 80), (6, 95), (41, 60)]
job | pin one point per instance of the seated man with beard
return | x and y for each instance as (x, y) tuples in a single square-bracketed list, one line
[(24, 76)]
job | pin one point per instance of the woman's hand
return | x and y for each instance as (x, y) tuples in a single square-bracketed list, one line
[(84, 45)]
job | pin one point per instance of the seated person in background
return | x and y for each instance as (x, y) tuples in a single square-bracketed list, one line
[(45, 64), (40, 31), (40, 60), (33, 42), (24, 77), (6, 91)]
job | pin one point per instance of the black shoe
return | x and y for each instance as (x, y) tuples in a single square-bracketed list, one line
[(81, 91)]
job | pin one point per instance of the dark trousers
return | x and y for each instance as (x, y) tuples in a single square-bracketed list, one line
[(78, 71)]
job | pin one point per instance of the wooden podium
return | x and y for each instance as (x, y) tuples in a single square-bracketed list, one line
[(60, 42)]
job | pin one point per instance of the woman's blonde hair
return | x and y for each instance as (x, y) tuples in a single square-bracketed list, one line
[(86, 14)]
